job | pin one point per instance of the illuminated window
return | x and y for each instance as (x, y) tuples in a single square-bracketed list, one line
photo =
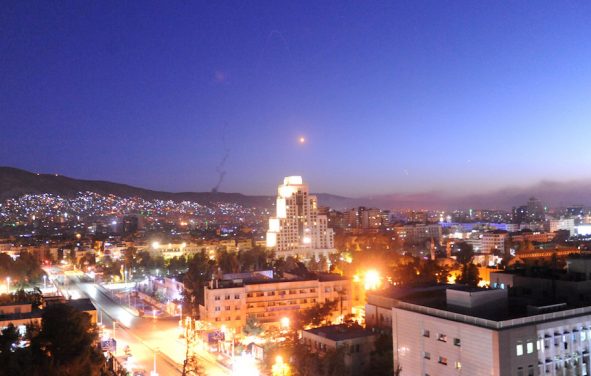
[(519, 349), (458, 365), (530, 347)]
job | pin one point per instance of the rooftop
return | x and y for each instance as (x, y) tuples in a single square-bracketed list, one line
[(257, 279), (341, 332), (495, 315), (83, 305)]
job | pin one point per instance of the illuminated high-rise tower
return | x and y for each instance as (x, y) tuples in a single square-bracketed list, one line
[(297, 228)]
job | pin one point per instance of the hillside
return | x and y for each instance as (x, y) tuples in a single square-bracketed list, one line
[(15, 182)]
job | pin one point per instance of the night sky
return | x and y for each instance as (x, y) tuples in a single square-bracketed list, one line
[(414, 96)]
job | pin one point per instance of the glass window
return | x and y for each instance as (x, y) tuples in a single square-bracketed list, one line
[(442, 337), (458, 365), (519, 349), (443, 360), (530, 347), (457, 342), (426, 333), (426, 355)]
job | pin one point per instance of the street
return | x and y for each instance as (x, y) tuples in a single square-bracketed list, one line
[(144, 335)]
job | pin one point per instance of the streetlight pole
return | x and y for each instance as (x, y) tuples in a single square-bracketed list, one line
[(154, 372)]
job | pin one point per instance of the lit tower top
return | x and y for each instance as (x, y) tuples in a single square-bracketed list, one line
[(297, 224)]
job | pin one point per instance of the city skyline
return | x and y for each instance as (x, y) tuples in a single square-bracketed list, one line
[(385, 188), (390, 98)]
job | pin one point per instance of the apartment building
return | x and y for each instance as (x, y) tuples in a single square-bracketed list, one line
[(471, 331), (493, 241), (419, 233), (231, 301)]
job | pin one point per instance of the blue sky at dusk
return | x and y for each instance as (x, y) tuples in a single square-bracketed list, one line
[(396, 96)]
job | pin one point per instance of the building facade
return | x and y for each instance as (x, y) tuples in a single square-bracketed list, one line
[(358, 343), (231, 302), (297, 229), (458, 338)]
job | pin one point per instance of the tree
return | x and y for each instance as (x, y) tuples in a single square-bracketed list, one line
[(465, 253), (129, 255), (470, 275), (256, 258), (13, 360), (199, 273), (228, 262), (304, 362), (381, 358), (8, 339), (65, 343), (334, 363), (252, 326), (191, 364), (315, 315)]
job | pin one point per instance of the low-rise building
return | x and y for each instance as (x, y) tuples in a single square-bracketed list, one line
[(567, 224), (494, 241), (230, 302), (357, 343), (24, 314)]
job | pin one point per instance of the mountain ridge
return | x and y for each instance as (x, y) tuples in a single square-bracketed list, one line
[(15, 182)]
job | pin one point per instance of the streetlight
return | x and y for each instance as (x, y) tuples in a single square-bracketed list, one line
[(154, 373), (285, 323), (280, 368), (372, 280)]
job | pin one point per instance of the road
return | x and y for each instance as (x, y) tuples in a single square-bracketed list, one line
[(144, 335)]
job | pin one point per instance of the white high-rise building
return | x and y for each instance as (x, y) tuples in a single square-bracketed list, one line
[(297, 229)]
